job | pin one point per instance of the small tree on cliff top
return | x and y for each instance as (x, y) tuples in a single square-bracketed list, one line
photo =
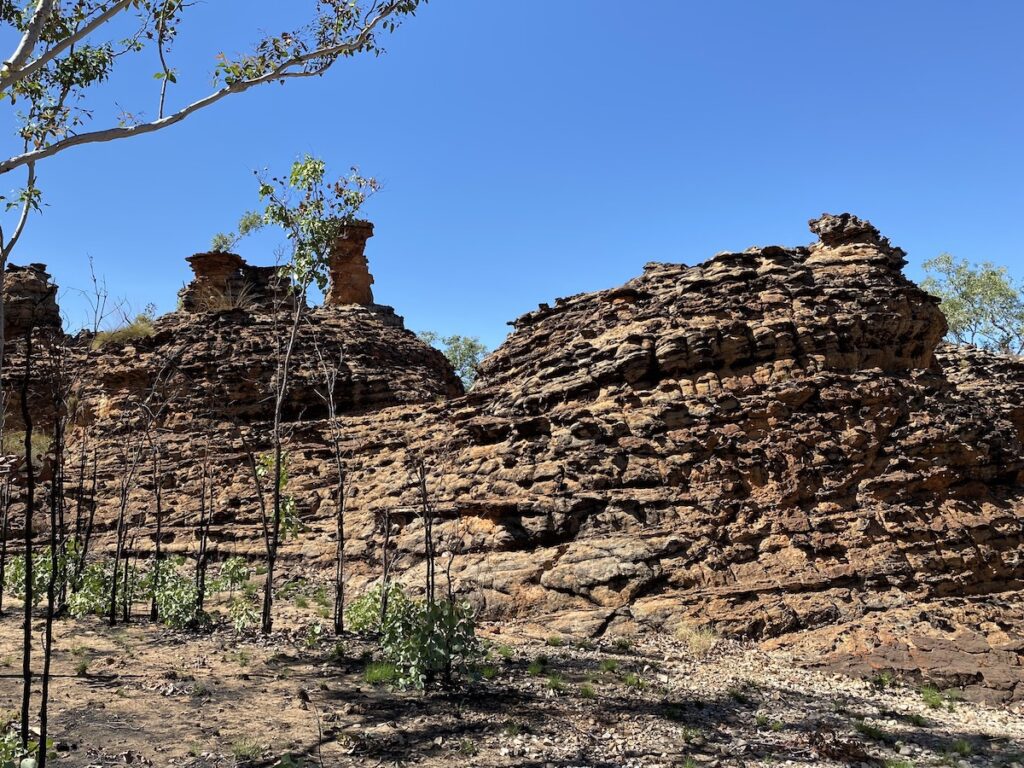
[(314, 213), (982, 304)]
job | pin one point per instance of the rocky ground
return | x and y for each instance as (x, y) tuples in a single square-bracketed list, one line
[(144, 695)]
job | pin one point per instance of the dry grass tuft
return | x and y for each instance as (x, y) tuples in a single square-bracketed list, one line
[(140, 328), (699, 641)]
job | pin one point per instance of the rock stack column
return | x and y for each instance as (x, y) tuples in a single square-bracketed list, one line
[(213, 272), (350, 277)]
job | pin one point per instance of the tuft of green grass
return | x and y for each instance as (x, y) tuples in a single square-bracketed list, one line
[(381, 673), (511, 728), (777, 726), (632, 680), (538, 665), (691, 734), (761, 720), (300, 601), (737, 695), (246, 750), (609, 665), (884, 679), (489, 673), (555, 683), (961, 747), (555, 641), (339, 652), (586, 645), (82, 668), (891, 763), (506, 652), (623, 644), (14, 443), (932, 697), (952, 697), (587, 691), (467, 747), (871, 732), (919, 721)]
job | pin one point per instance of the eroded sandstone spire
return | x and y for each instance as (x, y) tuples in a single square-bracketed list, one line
[(350, 277)]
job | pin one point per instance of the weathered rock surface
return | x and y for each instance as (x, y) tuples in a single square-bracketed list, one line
[(775, 442)]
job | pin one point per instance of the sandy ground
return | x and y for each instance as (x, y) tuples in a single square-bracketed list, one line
[(144, 695)]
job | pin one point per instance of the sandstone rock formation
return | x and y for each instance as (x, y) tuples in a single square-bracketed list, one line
[(350, 277), (774, 442)]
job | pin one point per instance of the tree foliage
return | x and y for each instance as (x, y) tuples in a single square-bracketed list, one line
[(982, 303), (425, 640), (313, 212), (66, 48), (464, 353)]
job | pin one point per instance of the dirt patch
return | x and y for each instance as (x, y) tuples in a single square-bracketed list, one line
[(142, 695)]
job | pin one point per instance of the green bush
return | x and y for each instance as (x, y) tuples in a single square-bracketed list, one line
[(10, 749), (234, 574), (93, 593), (314, 633), (242, 613), (430, 641), (363, 614), (14, 573), (177, 599)]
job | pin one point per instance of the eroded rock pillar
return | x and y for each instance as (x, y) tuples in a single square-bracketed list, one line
[(350, 277), (213, 274)]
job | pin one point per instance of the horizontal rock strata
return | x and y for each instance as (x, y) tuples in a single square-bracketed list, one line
[(775, 442)]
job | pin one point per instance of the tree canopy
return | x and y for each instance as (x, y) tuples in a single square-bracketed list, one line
[(463, 352), (983, 304)]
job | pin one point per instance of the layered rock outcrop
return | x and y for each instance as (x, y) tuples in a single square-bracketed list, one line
[(774, 442)]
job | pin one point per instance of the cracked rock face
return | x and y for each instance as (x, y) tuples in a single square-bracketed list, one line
[(775, 442)]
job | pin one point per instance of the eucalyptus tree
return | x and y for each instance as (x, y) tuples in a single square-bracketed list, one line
[(314, 213), (55, 80), (465, 353), (983, 304)]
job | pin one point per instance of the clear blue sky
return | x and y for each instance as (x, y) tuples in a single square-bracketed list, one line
[(537, 148)]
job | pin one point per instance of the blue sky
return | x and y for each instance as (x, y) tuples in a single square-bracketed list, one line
[(534, 149)]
